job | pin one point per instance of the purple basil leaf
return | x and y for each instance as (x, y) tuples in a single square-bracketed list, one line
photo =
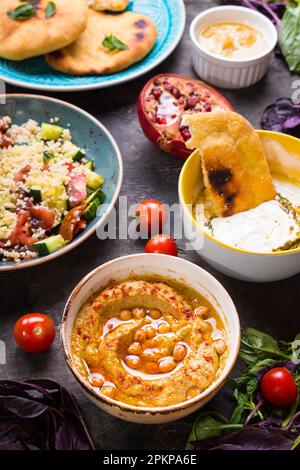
[(22, 407), (281, 116), (66, 438), (291, 123), (252, 437), (40, 414)]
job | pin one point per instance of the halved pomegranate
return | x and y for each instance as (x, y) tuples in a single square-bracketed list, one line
[(165, 99)]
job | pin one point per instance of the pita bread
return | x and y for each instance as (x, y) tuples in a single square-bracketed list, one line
[(39, 35), (111, 5), (235, 171), (88, 55)]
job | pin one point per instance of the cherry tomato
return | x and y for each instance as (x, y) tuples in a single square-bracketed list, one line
[(278, 387), (152, 216), (34, 332), (162, 244)]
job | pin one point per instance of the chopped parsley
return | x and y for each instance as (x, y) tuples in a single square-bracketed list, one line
[(22, 13), (50, 10), (112, 43)]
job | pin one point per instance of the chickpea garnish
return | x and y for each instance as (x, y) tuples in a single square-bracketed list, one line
[(164, 328), (97, 381), (151, 354), (133, 361), (125, 315), (150, 331), (138, 313), (155, 314), (166, 365), (108, 391), (179, 352), (135, 348), (219, 346), (140, 336), (151, 367), (201, 311)]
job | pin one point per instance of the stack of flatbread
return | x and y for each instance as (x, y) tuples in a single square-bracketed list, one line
[(78, 37)]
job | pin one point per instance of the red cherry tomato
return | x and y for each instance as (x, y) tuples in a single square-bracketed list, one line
[(34, 332), (152, 216), (162, 244), (278, 387)]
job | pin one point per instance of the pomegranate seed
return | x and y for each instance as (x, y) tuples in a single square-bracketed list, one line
[(161, 120), (175, 92), (190, 104), (208, 108), (157, 92), (185, 132), (167, 85), (192, 101)]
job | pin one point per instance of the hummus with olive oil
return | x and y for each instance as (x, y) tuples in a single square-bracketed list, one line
[(148, 343)]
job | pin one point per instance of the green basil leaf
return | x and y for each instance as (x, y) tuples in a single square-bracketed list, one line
[(50, 10), (112, 43), (207, 426), (289, 37), (256, 346), (22, 13)]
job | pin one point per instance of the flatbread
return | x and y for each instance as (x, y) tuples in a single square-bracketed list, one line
[(235, 171), (88, 56), (111, 5), (38, 35)]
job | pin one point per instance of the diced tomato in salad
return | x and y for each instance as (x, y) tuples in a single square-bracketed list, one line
[(21, 233), (77, 189), (21, 175), (44, 217)]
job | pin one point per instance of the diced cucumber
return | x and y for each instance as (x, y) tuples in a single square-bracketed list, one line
[(51, 131), (99, 194), (93, 180), (54, 194), (90, 165), (93, 201), (60, 205), (49, 245), (78, 154), (36, 193), (47, 155), (91, 210)]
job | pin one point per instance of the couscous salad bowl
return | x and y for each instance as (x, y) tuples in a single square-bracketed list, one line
[(60, 176)]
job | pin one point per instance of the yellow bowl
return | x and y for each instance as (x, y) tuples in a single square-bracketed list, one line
[(238, 263)]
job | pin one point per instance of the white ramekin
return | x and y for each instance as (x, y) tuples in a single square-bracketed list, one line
[(173, 268), (227, 72)]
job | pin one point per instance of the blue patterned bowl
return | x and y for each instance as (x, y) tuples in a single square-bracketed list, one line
[(169, 18), (87, 132)]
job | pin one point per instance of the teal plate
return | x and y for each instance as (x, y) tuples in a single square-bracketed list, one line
[(87, 132), (169, 18)]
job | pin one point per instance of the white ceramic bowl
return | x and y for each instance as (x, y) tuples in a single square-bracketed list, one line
[(173, 268), (228, 72), (238, 263)]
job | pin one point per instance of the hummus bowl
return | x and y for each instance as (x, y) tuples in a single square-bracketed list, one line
[(253, 261), (195, 343)]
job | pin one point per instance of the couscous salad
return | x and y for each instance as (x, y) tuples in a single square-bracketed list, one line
[(49, 190)]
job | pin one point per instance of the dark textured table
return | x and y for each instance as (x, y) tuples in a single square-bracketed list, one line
[(271, 307)]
